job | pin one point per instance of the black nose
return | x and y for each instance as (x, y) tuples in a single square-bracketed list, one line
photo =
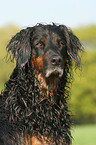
[(56, 60)]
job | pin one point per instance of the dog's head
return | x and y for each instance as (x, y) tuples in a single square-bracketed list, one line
[(48, 47)]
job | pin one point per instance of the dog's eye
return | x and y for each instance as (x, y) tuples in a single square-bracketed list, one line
[(61, 43), (39, 44)]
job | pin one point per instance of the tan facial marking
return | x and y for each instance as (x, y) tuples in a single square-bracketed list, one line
[(44, 41), (37, 63), (56, 40)]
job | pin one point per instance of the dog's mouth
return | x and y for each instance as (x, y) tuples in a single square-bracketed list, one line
[(57, 72)]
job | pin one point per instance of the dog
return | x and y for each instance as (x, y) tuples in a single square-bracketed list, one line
[(34, 108)]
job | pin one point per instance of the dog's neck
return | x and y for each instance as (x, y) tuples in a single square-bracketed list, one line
[(46, 91)]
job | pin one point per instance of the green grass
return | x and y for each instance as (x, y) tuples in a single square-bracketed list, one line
[(84, 135)]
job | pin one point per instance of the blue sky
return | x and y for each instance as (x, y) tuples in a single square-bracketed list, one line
[(25, 13)]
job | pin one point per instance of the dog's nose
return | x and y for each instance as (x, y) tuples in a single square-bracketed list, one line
[(56, 60)]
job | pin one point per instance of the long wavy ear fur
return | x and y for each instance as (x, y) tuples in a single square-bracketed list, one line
[(20, 47), (73, 44)]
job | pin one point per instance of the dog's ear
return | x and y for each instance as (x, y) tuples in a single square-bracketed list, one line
[(74, 48), (20, 46), (73, 44)]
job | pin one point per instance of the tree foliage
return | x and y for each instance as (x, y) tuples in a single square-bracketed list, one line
[(83, 98)]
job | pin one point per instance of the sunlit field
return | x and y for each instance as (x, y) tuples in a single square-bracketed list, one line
[(84, 135)]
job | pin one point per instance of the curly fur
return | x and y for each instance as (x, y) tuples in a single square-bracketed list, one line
[(25, 111)]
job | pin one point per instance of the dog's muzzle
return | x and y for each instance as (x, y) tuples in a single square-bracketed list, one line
[(55, 66)]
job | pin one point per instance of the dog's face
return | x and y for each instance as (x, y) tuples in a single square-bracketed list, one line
[(48, 47), (48, 51)]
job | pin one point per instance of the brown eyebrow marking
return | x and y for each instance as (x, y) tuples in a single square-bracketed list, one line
[(44, 41), (56, 40)]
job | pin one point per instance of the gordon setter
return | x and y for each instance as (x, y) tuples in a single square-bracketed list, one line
[(34, 107)]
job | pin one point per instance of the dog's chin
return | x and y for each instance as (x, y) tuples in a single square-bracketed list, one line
[(52, 78)]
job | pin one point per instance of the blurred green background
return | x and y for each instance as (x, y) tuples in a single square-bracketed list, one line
[(83, 92)]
